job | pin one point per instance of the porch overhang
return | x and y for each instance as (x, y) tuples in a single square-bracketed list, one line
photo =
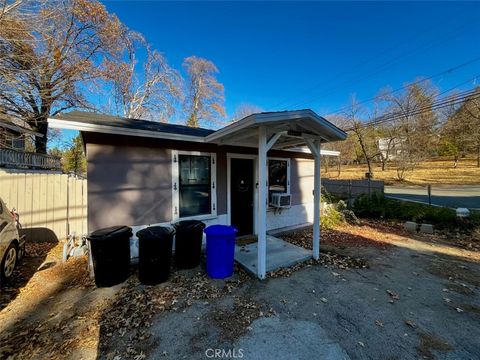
[(290, 127), (285, 130)]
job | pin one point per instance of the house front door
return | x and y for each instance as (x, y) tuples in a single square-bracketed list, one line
[(242, 186)]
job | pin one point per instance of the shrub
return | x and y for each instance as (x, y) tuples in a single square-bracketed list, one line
[(331, 218), (378, 206), (374, 206)]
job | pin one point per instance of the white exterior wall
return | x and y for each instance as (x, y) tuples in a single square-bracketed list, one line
[(296, 215)]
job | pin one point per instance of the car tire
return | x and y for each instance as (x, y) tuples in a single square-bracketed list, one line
[(8, 264)]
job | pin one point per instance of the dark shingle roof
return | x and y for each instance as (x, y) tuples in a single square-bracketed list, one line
[(137, 124)]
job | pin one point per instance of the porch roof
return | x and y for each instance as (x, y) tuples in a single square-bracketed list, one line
[(293, 128)]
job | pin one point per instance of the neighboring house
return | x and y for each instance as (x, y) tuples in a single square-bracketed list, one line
[(13, 136), (141, 172), (390, 148)]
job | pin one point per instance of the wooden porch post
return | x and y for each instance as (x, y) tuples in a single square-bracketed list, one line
[(314, 146), (262, 202), (316, 203)]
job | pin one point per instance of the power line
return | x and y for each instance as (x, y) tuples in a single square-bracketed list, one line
[(358, 65), (439, 104), (380, 68), (450, 70)]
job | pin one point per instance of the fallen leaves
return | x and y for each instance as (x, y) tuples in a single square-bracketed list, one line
[(411, 323), (338, 237), (393, 295), (327, 259), (235, 322)]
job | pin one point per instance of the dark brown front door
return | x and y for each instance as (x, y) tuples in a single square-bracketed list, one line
[(241, 194)]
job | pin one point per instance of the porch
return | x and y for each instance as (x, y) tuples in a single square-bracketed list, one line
[(28, 160), (299, 131), (280, 254)]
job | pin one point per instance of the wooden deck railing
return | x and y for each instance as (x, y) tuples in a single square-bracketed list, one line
[(28, 160)]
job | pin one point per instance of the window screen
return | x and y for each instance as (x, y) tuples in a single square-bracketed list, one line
[(194, 187)]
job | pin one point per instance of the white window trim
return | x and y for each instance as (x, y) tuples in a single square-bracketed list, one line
[(288, 173), (176, 186)]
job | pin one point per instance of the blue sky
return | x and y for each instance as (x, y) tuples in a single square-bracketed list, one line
[(287, 55)]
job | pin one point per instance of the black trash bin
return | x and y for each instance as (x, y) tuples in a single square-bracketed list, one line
[(188, 243), (111, 255), (154, 254)]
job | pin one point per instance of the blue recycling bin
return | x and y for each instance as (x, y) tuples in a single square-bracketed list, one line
[(220, 250)]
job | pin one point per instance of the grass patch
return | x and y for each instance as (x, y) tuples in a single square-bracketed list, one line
[(434, 171)]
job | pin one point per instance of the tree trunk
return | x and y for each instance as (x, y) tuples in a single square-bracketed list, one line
[(41, 142), (40, 145)]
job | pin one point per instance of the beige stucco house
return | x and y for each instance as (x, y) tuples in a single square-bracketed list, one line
[(260, 173)]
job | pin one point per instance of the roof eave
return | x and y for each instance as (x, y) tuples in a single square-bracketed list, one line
[(58, 123)]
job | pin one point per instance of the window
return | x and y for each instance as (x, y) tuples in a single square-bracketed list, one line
[(278, 177), (194, 185), (193, 180)]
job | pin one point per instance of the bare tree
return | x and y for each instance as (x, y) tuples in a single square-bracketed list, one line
[(8, 6), (364, 134), (205, 95), (150, 93), (49, 54), (243, 110), (414, 122), (469, 112)]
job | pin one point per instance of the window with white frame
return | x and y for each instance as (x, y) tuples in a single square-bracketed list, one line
[(193, 178), (278, 176)]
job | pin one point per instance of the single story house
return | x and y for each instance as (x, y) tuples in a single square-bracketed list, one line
[(258, 174)]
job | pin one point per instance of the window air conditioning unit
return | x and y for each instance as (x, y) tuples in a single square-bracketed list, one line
[(281, 200)]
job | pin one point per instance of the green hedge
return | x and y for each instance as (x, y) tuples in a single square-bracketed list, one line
[(378, 206)]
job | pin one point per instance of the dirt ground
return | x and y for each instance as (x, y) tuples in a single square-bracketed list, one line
[(377, 293)]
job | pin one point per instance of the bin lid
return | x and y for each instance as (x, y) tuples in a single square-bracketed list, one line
[(189, 225), (108, 233), (220, 230), (155, 232)]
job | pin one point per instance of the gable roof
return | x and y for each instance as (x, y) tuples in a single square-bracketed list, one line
[(294, 126)]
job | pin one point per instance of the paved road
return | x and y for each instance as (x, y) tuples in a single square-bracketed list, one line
[(447, 195)]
